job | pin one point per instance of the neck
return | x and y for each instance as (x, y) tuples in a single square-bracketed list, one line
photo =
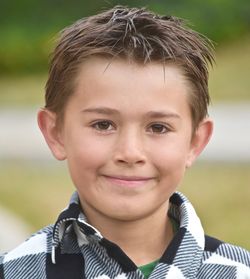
[(143, 240)]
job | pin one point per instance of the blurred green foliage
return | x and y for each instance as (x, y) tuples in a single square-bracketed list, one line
[(28, 26)]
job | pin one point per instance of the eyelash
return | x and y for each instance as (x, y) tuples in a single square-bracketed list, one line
[(110, 126), (96, 125), (162, 126)]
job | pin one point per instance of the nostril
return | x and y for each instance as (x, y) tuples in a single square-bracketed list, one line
[(130, 160)]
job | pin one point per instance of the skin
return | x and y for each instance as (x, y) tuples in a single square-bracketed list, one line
[(127, 138)]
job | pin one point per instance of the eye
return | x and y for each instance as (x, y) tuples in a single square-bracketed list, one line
[(158, 128), (103, 125)]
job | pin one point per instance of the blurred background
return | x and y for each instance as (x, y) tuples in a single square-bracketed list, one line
[(34, 187)]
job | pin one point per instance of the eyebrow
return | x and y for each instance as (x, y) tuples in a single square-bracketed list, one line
[(149, 114), (162, 114), (101, 110)]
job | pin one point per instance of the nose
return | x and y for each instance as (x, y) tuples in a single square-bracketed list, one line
[(130, 149)]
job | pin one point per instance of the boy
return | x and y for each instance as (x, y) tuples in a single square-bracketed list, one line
[(126, 106)]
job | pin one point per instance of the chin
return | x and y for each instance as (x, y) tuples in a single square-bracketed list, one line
[(124, 217), (128, 214)]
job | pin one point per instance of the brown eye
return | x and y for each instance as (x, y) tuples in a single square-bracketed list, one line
[(158, 128), (103, 125)]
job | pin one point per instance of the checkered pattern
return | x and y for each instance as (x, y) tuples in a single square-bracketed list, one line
[(73, 249)]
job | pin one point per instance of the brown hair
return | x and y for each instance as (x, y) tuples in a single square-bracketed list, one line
[(133, 33)]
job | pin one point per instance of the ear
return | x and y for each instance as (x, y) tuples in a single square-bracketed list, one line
[(52, 134), (199, 140)]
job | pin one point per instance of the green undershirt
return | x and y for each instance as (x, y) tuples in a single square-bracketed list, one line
[(147, 269)]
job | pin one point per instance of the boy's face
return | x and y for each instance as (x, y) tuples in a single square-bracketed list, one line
[(127, 137)]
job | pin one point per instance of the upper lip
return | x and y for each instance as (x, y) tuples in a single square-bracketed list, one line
[(129, 178)]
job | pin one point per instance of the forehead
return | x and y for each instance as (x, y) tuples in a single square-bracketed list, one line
[(104, 71), (129, 87)]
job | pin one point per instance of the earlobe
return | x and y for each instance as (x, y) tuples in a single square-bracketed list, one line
[(47, 124), (200, 139)]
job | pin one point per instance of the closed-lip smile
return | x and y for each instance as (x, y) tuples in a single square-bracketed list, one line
[(128, 181)]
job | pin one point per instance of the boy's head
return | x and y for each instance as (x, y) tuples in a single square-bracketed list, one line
[(130, 34), (128, 88)]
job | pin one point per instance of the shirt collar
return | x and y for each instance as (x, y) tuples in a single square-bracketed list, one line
[(72, 215), (180, 209)]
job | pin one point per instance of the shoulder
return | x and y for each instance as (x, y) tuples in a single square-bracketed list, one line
[(225, 258), (28, 256)]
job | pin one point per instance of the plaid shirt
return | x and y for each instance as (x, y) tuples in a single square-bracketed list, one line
[(73, 249)]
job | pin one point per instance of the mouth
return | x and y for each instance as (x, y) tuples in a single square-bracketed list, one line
[(128, 181)]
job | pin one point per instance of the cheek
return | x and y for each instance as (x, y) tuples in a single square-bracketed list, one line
[(171, 161), (85, 157), (175, 149)]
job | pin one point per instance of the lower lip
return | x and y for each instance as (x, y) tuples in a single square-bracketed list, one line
[(128, 183)]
